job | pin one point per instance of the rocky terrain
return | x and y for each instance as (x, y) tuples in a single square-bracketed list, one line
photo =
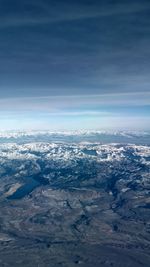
[(74, 204)]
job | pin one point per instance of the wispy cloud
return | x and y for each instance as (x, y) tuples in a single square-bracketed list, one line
[(58, 102), (86, 62), (68, 12)]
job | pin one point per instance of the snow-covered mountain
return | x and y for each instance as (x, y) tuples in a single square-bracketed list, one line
[(98, 152), (76, 136), (59, 191)]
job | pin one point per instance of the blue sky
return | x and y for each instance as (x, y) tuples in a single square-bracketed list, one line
[(75, 64)]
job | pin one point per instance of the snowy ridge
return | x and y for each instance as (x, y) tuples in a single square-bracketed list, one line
[(16, 134), (67, 152), (103, 137)]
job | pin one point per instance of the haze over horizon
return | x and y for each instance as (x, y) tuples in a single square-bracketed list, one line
[(69, 65)]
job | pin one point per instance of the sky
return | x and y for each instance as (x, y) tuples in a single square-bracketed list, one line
[(80, 64)]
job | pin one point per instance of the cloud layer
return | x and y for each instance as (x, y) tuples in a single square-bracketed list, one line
[(64, 59)]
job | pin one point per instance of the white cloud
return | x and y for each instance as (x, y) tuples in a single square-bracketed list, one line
[(59, 104)]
